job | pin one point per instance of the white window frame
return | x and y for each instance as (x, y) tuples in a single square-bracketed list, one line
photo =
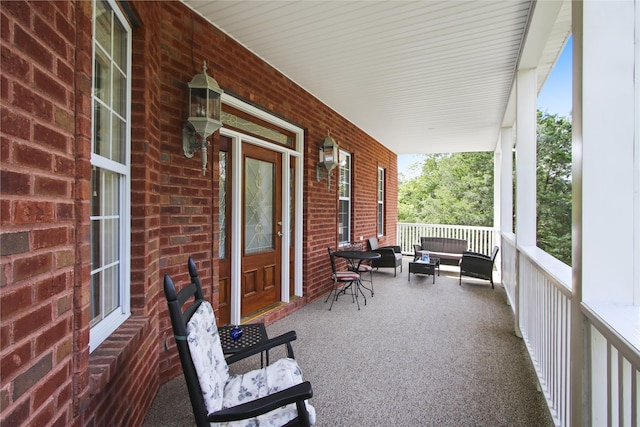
[(344, 196), (380, 205), (109, 323)]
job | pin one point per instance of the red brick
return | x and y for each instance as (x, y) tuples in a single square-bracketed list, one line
[(15, 124), (15, 183), (44, 390), (50, 237), (49, 36), (51, 287), (11, 302), (32, 102), (48, 85), (50, 138), (6, 216), (14, 65), (33, 212), (43, 417), (32, 322), (32, 47), (13, 361), (51, 187), (31, 156), (20, 413)]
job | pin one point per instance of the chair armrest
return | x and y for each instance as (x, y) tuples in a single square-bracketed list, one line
[(475, 254), (297, 393), (284, 339), (384, 250), (396, 249)]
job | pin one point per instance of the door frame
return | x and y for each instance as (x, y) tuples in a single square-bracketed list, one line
[(237, 138)]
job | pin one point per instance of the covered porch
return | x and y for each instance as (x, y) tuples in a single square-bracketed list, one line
[(417, 354)]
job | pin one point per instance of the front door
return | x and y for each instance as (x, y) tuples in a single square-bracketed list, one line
[(261, 228)]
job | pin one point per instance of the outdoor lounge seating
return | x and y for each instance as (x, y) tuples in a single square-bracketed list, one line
[(478, 265), (448, 250), (390, 256), (271, 396)]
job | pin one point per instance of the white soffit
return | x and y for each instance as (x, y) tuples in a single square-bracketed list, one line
[(418, 76)]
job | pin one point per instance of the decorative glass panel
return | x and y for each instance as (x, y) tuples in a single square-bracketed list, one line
[(258, 206), (222, 209), (246, 125)]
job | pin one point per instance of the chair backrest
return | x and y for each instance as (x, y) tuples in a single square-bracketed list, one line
[(494, 253), (332, 258), (373, 243), (179, 320)]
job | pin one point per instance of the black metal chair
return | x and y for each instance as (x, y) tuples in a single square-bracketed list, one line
[(215, 395), (342, 280), (477, 265), (390, 256), (364, 266)]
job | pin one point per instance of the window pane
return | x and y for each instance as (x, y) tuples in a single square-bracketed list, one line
[(119, 45), (345, 175), (103, 25), (118, 135), (102, 131), (96, 302), (343, 221), (102, 77), (110, 290), (119, 93)]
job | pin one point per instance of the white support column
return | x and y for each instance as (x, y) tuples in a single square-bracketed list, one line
[(506, 181), (497, 190), (608, 150), (526, 118)]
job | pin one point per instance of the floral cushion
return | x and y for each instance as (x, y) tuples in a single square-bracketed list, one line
[(207, 356), (253, 385)]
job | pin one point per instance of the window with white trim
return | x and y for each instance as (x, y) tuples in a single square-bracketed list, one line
[(380, 202), (110, 172), (344, 202)]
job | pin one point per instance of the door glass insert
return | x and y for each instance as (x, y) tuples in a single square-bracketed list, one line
[(258, 206)]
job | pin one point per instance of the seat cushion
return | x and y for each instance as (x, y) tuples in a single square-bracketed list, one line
[(345, 276), (258, 383), (206, 354)]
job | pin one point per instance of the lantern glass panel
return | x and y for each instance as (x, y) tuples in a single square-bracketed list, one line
[(214, 105), (198, 102), (329, 155)]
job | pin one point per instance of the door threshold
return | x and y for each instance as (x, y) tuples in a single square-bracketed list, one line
[(258, 316)]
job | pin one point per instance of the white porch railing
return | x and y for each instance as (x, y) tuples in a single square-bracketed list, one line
[(542, 303), (479, 239), (544, 313)]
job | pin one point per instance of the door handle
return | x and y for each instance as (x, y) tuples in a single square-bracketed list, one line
[(279, 233)]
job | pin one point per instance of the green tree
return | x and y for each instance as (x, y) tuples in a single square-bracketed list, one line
[(452, 189), (554, 186), (458, 188)]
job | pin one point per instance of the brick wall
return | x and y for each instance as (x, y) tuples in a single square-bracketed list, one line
[(37, 217), (47, 375)]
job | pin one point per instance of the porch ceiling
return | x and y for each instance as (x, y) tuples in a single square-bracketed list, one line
[(418, 76)]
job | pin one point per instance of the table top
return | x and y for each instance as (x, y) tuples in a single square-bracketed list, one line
[(252, 334), (357, 254)]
